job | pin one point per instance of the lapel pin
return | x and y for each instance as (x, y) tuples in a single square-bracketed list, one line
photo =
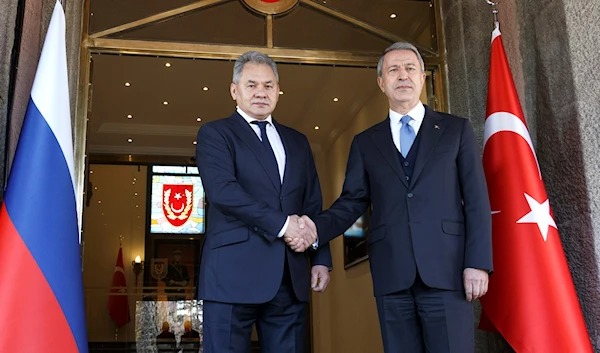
[(436, 126)]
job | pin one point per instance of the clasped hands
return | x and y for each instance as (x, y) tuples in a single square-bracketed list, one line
[(301, 233)]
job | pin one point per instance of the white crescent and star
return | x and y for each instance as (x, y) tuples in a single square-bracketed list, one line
[(539, 212)]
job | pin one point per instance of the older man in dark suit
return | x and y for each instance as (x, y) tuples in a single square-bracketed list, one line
[(430, 234), (259, 176)]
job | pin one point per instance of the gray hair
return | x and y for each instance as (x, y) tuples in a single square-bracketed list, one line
[(255, 58), (400, 46)]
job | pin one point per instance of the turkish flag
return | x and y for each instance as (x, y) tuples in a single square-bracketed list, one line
[(118, 303), (531, 299)]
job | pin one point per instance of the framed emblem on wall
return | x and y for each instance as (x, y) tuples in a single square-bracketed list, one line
[(270, 7)]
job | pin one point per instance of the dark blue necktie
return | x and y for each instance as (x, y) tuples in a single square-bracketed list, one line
[(267, 145)]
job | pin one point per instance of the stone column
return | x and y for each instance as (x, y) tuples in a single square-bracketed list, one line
[(552, 46), (36, 19)]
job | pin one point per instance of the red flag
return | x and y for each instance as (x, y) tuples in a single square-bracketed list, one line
[(118, 304), (531, 299)]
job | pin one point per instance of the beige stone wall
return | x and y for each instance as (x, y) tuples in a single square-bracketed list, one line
[(115, 210)]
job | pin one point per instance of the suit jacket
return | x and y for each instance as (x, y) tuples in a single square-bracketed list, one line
[(242, 259), (438, 224)]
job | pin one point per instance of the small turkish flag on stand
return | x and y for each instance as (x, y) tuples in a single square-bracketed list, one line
[(118, 303), (531, 299)]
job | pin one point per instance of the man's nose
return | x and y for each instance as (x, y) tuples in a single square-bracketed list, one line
[(260, 92)]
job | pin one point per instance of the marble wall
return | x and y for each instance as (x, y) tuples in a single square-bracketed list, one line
[(552, 46)]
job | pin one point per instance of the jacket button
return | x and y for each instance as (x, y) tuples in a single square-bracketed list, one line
[(256, 229), (410, 194), (280, 198)]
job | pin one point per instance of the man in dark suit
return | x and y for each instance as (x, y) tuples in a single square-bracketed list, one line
[(430, 234), (259, 176), (165, 341)]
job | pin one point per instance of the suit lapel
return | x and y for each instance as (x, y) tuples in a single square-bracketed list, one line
[(242, 129), (290, 158), (382, 138), (431, 130)]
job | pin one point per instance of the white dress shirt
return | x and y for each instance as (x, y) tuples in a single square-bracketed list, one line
[(417, 114), (276, 145)]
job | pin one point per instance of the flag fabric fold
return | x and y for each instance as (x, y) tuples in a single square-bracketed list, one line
[(41, 287), (531, 299), (118, 303)]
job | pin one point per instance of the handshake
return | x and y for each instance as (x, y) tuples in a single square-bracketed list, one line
[(301, 233)]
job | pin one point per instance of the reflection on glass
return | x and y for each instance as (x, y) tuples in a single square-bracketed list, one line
[(168, 325)]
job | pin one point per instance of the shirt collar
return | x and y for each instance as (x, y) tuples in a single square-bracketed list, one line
[(417, 113), (250, 119)]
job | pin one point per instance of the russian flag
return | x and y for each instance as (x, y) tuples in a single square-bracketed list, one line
[(41, 290)]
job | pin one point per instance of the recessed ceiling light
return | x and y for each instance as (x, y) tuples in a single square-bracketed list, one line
[(335, 99), (194, 142), (95, 188), (393, 15), (135, 194), (280, 92), (205, 88), (129, 116), (137, 206), (127, 84), (91, 172), (317, 128), (99, 201), (129, 140), (165, 102), (198, 119), (168, 64)]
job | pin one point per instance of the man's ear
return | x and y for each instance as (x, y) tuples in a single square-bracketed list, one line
[(380, 84), (232, 90)]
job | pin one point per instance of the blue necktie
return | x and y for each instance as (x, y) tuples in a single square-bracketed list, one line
[(267, 145), (407, 135)]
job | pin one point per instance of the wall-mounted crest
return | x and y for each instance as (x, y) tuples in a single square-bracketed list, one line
[(270, 7)]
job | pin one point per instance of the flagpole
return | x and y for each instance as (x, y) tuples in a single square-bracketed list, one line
[(494, 11)]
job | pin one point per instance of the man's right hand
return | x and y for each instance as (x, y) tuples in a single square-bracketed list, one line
[(298, 236)]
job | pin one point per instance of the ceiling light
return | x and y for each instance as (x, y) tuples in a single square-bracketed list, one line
[(127, 84), (129, 140), (280, 92), (335, 99), (168, 64), (165, 102), (198, 119), (129, 116), (205, 88), (99, 201), (393, 15), (91, 172), (194, 142), (135, 194), (317, 128)]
